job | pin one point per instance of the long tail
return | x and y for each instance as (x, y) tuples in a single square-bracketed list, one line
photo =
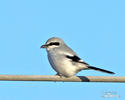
[(99, 69)]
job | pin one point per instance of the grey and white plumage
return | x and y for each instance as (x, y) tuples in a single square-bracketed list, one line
[(64, 60)]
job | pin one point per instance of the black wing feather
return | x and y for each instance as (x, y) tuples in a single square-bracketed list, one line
[(76, 59)]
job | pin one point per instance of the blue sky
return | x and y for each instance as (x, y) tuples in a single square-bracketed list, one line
[(95, 29)]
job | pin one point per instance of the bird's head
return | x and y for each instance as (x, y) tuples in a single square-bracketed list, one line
[(53, 42)]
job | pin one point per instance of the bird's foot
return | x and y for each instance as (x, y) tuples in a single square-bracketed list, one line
[(58, 74)]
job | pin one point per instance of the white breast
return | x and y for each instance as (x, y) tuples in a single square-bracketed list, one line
[(62, 65)]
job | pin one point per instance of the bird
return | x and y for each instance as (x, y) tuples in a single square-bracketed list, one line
[(64, 60)]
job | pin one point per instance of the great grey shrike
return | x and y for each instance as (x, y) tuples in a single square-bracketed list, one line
[(64, 60)]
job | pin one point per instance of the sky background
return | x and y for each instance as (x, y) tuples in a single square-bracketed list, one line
[(95, 29)]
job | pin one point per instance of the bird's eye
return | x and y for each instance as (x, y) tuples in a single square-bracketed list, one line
[(54, 43)]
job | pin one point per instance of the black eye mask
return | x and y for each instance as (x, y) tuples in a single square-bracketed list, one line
[(54, 43)]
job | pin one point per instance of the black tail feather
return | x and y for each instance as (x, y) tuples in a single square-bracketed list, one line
[(99, 69)]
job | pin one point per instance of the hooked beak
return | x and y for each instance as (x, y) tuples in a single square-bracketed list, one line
[(43, 46)]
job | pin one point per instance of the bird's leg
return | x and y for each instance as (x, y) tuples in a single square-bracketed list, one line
[(58, 74)]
